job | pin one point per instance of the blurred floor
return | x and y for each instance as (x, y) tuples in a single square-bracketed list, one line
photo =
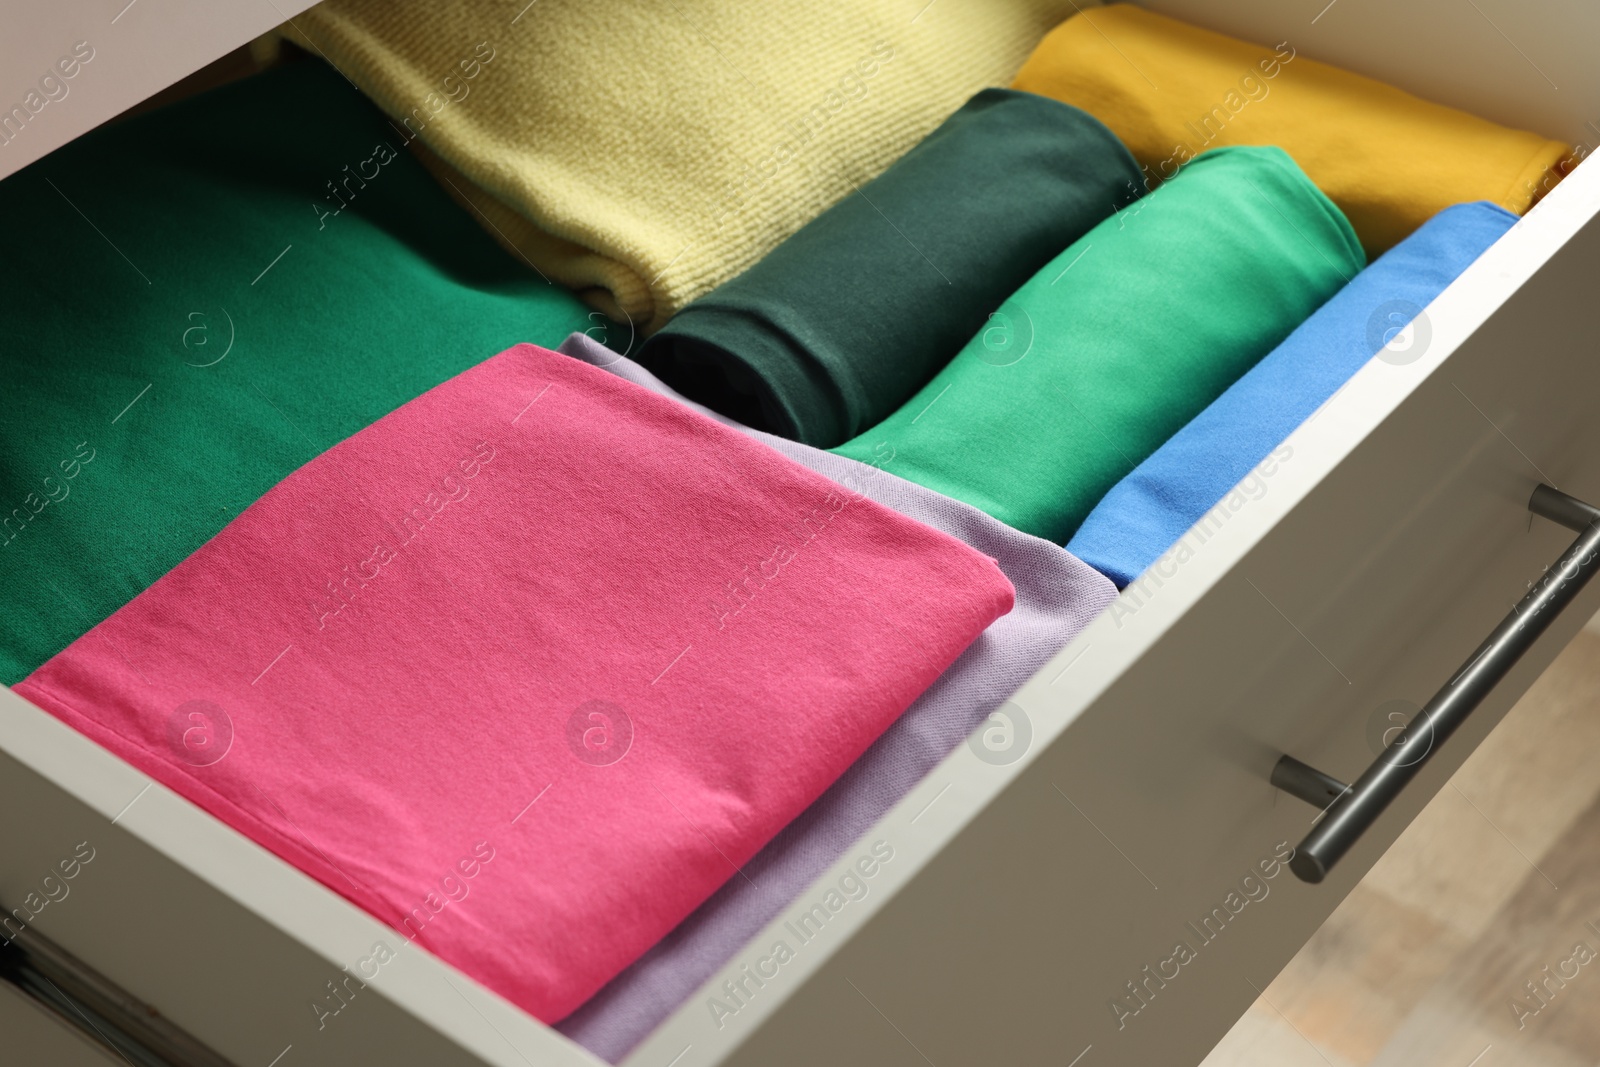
[(1469, 944)]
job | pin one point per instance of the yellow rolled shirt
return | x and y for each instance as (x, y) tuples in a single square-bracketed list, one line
[(1390, 160)]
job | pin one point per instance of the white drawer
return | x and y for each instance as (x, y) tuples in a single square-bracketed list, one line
[(134, 49), (1021, 898)]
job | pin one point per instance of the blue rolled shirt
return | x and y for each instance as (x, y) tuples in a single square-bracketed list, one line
[(1150, 509)]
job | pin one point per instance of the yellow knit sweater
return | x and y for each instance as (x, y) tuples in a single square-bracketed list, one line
[(644, 153)]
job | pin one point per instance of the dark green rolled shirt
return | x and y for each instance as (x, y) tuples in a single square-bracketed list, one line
[(848, 317), (1121, 340), (190, 315)]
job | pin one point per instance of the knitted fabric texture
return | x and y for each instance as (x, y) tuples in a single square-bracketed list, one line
[(643, 154), (842, 322)]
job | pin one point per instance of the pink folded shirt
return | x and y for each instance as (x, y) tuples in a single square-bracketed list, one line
[(529, 667)]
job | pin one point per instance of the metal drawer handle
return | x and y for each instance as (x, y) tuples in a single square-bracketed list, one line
[(1350, 809)]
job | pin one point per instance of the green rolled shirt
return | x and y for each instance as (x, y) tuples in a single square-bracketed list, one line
[(198, 301), (1122, 339), (853, 313)]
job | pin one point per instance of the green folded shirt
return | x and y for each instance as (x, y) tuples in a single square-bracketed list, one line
[(198, 301), (1121, 340), (842, 322)]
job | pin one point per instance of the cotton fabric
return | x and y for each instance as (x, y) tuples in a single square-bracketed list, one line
[(1390, 160), (1056, 597), (540, 617), (839, 325), (1199, 467), (1122, 339), (193, 315), (646, 154)]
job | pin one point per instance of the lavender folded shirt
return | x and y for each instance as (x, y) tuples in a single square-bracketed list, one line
[(1056, 597)]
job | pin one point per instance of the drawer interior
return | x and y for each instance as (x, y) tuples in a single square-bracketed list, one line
[(1370, 568)]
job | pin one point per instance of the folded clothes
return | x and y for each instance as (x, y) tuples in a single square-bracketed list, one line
[(1056, 597), (647, 154), (1121, 340), (215, 292), (542, 617), (1388, 159), (844, 321), (1203, 465)]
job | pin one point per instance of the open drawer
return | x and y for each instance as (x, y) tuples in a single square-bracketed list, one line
[(1029, 897)]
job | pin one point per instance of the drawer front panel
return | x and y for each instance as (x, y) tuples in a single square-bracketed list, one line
[(222, 938), (1353, 581)]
